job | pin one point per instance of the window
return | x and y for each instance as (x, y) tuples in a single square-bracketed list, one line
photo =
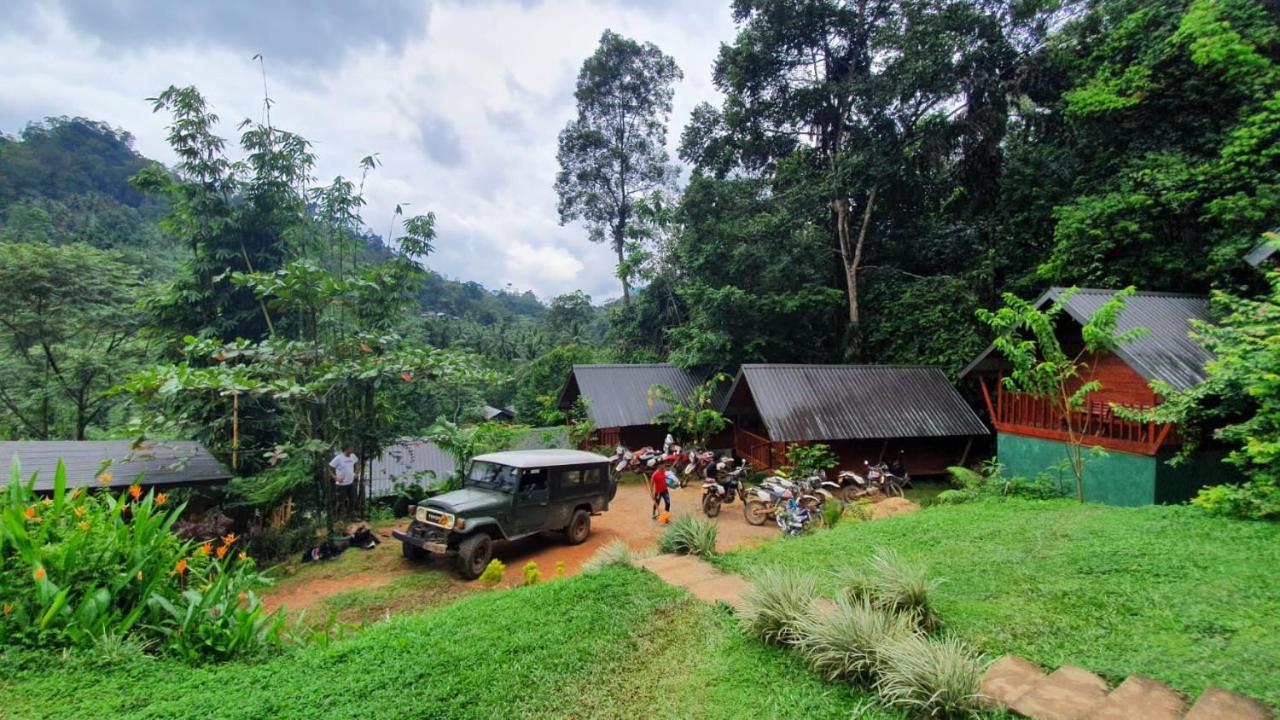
[(570, 479), (533, 480), (580, 480)]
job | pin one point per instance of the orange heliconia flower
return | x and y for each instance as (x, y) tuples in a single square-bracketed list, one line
[(204, 549), (39, 574), (162, 499), (180, 568), (221, 552), (30, 512), (80, 512), (105, 478), (135, 491), (229, 539)]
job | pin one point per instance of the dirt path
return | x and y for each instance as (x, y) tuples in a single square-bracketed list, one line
[(628, 519)]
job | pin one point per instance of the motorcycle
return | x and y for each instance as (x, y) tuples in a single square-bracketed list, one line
[(730, 485), (794, 518), (765, 498), (879, 478)]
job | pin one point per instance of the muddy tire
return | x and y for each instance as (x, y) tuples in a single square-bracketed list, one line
[(473, 555), (756, 512), (892, 489), (413, 553), (579, 528), (711, 505)]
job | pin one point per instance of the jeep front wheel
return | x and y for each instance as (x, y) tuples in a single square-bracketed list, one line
[(473, 555), (579, 527)]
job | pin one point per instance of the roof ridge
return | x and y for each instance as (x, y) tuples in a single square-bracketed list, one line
[(900, 366), (1137, 293)]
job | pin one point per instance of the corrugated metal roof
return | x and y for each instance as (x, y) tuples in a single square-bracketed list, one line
[(179, 462), (1166, 353), (1265, 249), (857, 402), (618, 395)]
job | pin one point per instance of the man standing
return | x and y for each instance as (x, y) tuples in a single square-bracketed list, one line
[(660, 488), (344, 468)]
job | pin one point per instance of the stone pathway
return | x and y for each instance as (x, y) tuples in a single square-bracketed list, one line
[(1072, 693), (699, 577)]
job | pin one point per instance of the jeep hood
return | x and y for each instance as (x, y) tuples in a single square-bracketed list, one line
[(467, 500)]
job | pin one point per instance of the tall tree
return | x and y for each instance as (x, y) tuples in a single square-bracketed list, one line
[(613, 155)]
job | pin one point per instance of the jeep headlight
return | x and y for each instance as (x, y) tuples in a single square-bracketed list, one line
[(420, 514)]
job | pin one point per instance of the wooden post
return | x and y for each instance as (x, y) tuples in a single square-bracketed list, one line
[(235, 430)]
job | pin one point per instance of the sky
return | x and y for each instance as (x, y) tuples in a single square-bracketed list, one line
[(461, 99)]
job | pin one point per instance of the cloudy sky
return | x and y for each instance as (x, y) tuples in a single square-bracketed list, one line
[(462, 99)]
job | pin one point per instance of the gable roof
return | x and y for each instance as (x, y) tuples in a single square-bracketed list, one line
[(1166, 353), (618, 395), (857, 402), (1265, 250), (162, 462)]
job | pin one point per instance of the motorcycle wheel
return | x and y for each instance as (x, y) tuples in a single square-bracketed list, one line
[(711, 505), (755, 512), (892, 489)]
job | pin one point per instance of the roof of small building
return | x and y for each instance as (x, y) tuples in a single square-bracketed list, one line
[(856, 402), (489, 412), (541, 458), (160, 462), (1265, 250), (1166, 352), (618, 395)]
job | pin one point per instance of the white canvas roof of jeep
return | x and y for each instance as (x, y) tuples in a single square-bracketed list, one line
[(541, 458)]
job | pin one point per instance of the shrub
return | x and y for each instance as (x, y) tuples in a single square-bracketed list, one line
[(892, 583), (1254, 501), (689, 535), (493, 573), (775, 604), (809, 460), (615, 553), (955, 497), (842, 642), (76, 567), (532, 576), (559, 568), (930, 676), (832, 513), (966, 478)]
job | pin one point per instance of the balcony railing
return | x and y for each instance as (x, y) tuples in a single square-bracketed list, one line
[(1096, 422)]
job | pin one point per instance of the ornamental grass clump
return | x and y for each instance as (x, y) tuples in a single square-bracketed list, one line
[(80, 568), (776, 603), (930, 676), (892, 583), (615, 553), (493, 573), (689, 535), (842, 641)]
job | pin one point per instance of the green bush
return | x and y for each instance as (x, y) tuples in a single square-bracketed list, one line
[(842, 641), (77, 568), (689, 535), (532, 575), (615, 553), (1253, 501), (832, 513), (493, 573), (954, 497), (273, 545), (932, 677), (891, 583), (776, 603)]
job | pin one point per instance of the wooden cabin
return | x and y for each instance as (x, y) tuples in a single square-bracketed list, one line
[(159, 464), (1032, 437), (863, 412), (619, 403)]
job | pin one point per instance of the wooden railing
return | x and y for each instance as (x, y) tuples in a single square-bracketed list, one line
[(610, 437), (1096, 422), (761, 452)]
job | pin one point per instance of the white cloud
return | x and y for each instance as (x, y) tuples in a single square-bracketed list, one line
[(464, 111)]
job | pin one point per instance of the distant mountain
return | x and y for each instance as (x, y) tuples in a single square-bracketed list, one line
[(66, 180)]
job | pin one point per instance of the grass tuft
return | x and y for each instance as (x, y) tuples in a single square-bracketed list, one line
[(892, 583), (776, 603), (935, 677), (615, 553), (842, 641), (689, 535)]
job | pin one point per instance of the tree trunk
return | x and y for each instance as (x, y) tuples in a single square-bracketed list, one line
[(619, 247), (851, 253)]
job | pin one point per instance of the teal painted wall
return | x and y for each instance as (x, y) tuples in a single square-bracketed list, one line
[(1114, 479), (1179, 483)]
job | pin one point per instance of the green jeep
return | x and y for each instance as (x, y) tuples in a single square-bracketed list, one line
[(508, 496)]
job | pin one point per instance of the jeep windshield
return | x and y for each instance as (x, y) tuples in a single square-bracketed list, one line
[(492, 476)]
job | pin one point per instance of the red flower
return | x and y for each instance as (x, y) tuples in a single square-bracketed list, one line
[(135, 491)]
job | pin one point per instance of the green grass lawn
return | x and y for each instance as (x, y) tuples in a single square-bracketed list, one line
[(1162, 591), (618, 644)]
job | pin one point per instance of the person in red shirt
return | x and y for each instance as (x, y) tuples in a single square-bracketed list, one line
[(659, 488)]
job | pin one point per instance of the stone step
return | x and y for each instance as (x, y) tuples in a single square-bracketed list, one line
[(1068, 693), (1140, 698), (658, 562), (727, 589), (1216, 703), (1008, 679)]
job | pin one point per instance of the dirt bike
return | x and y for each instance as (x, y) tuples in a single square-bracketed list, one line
[(879, 478), (794, 518), (723, 490), (764, 499)]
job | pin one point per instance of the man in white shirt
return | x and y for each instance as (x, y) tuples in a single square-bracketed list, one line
[(344, 468)]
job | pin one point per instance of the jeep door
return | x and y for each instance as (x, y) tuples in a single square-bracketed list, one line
[(531, 504)]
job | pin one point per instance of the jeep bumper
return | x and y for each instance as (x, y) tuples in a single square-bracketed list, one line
[(427, 544)]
